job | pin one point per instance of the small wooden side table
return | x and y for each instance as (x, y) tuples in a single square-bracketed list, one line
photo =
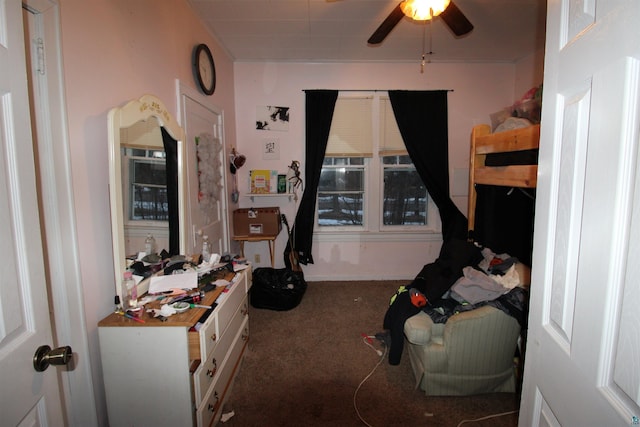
[(270, 239)]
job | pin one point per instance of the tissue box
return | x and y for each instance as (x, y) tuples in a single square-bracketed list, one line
[(256, 222)]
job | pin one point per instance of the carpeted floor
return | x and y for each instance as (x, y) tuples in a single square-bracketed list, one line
[(302, 368)]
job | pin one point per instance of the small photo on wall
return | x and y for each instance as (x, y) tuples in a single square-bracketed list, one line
[(270, 149), (272, 118)]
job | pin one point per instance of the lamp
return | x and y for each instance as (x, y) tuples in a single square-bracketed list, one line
[(423, 10)]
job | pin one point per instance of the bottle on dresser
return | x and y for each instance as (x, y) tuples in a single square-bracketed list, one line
[(206, 249), (150, 244), (129, 292)]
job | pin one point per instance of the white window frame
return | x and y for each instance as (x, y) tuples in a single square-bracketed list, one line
[(365, 220), (373, 227)]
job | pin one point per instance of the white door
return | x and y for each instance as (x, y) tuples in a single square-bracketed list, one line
[(27, 397), (206, 162), (583, 351)]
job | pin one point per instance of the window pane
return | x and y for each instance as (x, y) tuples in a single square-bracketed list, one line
[(143, 152), (341, 196), (343, 161), (149, 172), (339, 209), (341, 179), (404, 160), (149, 203), (148, 190), (397, 160), (405, 197)]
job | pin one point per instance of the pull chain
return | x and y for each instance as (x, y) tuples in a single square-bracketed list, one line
[(424, 36), (424, 53)]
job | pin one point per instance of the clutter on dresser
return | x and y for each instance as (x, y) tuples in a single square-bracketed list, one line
[(188, 343)]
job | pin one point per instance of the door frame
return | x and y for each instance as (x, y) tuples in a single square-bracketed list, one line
[(53, 167), (184, 90)]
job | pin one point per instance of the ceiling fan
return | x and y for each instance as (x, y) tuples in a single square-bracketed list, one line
[(446, 9)]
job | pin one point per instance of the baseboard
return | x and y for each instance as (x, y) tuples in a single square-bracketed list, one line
[(327, 278)]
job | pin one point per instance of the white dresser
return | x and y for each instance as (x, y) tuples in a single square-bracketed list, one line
[(167, 373)]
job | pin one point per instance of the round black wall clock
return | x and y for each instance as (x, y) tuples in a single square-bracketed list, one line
[(204, 69)]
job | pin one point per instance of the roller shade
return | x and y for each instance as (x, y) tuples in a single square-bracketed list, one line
[(391, 143), (351, 128)]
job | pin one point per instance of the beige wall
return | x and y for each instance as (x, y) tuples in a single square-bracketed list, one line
[(114, 51)]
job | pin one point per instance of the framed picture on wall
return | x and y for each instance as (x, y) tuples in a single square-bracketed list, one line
[(271, 149), (272, 118)]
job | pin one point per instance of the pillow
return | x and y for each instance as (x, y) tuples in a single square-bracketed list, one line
[(524, 272), (513, 123)]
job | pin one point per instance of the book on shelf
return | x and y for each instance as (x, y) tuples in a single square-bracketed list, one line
[(273, 182), (260, 181)]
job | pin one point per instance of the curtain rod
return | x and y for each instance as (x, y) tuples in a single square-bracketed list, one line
[(381, 90)]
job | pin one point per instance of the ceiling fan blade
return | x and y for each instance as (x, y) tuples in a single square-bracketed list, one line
[(455, 19), (387, 25)]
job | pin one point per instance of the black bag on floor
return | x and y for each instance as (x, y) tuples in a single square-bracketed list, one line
[(277, 289)]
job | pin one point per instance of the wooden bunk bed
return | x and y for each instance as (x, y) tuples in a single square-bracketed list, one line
[(483, 144)]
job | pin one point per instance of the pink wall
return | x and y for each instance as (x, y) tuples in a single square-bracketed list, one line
[(529, 73), (114, 51), (478, 91)]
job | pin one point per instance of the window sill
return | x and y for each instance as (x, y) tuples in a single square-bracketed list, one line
[(377, 236)]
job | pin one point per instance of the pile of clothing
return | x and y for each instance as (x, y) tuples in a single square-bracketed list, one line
[(464, 277)]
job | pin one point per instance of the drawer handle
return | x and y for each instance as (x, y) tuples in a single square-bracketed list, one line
[(245, 336), (211, 373), (214, 337), (245, 310), (212, 408)]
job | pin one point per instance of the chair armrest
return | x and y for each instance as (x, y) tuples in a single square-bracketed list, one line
[(419, 329)]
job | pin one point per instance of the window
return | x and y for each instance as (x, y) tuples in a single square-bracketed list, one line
[(368, 182), (145, 194), (404, 195), (341, 192)]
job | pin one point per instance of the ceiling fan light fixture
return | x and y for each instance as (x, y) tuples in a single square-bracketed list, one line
[(423, 10)]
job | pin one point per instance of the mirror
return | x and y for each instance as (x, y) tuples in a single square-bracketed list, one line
[(146, 181)]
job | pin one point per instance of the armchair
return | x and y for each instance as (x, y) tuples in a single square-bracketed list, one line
[(470, 354)]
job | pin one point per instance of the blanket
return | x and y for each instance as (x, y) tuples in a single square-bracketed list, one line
[(514, 303), (434, 280)]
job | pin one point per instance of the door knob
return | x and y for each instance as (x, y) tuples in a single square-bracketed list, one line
[(45, 356)]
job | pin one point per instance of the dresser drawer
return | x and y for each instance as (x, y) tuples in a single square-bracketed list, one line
[(229, 302), (206, 373), (211, 406), (202, 342), (205, 339)]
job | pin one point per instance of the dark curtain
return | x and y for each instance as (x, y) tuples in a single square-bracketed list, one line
[(505, 215), (171, 150), (319, 106), (423, 122), (504, 220)]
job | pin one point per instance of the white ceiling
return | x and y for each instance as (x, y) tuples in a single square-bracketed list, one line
[(337, 30)]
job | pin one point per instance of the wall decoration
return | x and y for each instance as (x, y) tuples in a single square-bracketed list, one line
[(209, 164), (293, 178), (272, 118), (282, 183), (271, 149), (260, 181)]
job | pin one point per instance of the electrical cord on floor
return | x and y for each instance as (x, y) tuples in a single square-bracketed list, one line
[(488, 417), (367, 339)]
